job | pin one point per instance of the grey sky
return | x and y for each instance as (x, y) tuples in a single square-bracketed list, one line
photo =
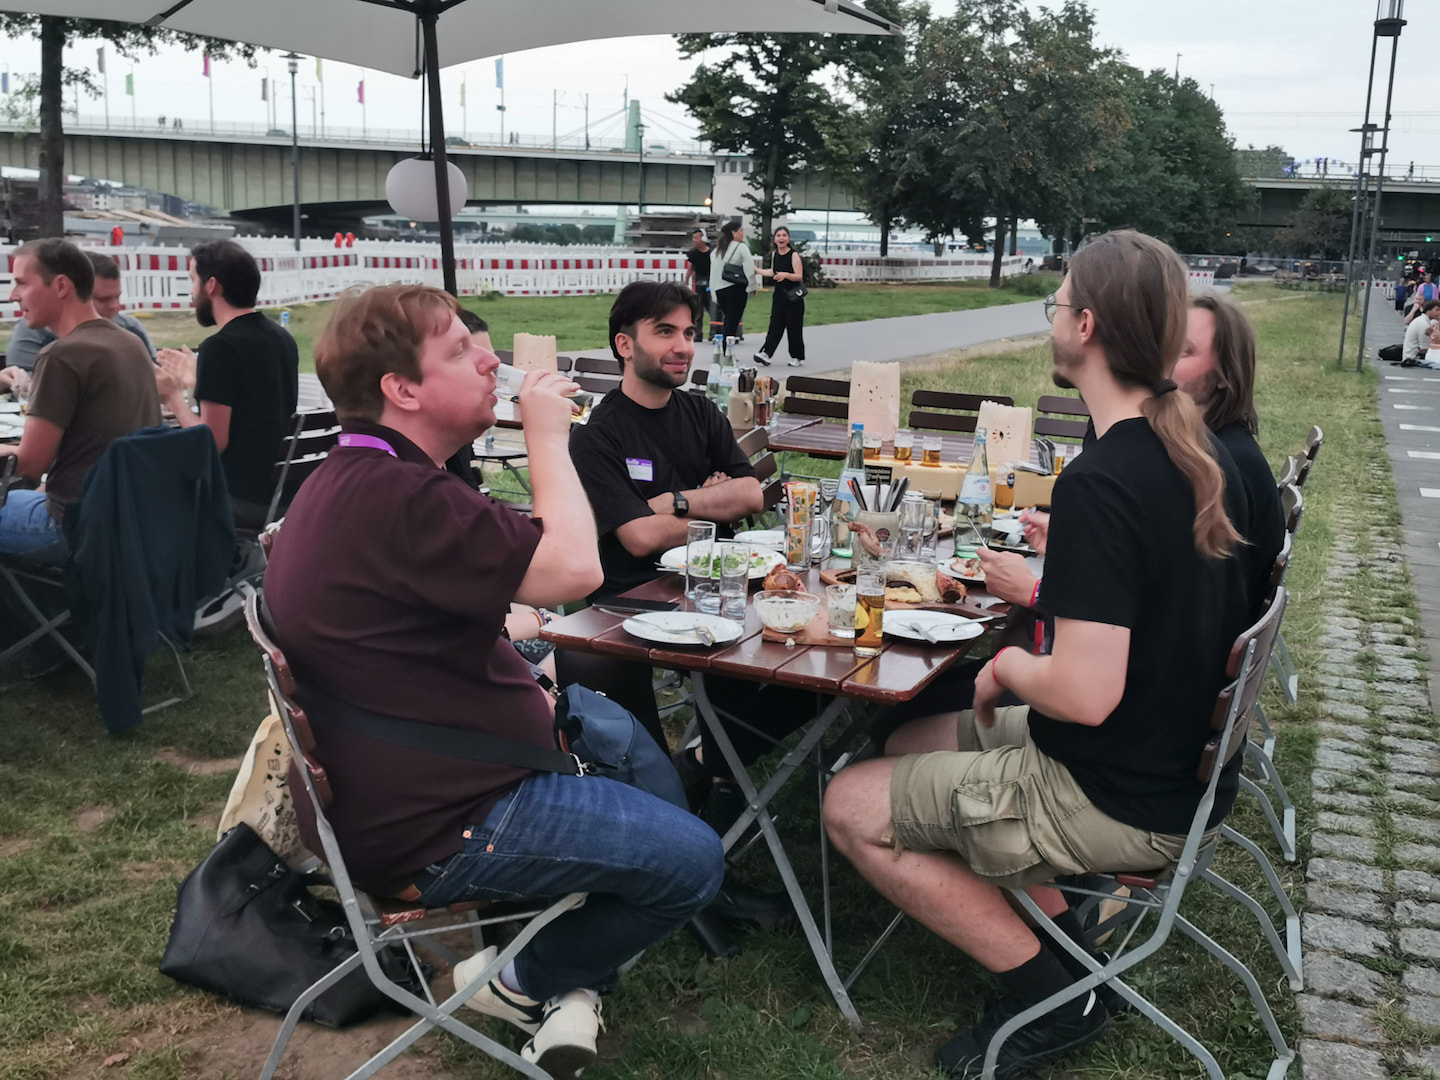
[(1284, 72)]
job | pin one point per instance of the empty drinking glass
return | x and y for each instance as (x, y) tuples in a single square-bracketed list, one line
[(699, 547), (840, 610), (734, 559), (915, 518)]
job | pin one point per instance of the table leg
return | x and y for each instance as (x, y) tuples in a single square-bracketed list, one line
[(756, 812)]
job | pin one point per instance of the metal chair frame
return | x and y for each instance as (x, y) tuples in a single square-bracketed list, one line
[(1233, 711), (373, 926)]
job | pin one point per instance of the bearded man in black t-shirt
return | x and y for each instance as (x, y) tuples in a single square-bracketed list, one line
[(653, 458), (1097, 772)]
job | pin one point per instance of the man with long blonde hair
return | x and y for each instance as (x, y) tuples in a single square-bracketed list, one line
[(1097, 771)]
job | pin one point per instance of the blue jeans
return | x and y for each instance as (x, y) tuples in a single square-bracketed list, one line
[(26, 528), (647, 865)]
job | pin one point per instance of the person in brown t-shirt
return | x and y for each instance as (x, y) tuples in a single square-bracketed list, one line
[(388, 587), (93, 385)]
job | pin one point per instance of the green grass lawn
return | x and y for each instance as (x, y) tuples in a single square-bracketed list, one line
[(581, 322), (95, 833)]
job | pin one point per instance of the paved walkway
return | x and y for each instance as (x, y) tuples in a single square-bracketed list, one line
[(839, 345), (1372, 950)]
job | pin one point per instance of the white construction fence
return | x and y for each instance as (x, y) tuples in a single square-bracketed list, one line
[(157, 278)]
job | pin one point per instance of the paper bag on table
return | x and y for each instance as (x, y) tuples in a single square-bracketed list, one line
[(1007, 431), (535, 352), (875, 398)]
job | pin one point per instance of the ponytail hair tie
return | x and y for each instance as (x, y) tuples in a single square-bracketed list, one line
[(1164, 386)]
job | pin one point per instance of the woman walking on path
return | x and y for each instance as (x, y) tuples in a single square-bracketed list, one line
[(787, 311), (732, 257)]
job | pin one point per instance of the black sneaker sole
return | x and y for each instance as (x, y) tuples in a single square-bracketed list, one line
[(565, 1062), (1017, 1069)]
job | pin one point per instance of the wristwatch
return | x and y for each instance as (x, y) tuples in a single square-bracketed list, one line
[(682, 505)]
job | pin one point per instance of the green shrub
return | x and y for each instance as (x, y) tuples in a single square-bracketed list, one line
[(1035, 284)]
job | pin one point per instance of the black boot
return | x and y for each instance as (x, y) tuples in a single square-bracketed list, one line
[(715, 933), (1067, 921), (1070, 1027), (745, 903)]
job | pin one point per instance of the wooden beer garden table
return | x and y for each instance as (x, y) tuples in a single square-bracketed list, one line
[(898, 674)]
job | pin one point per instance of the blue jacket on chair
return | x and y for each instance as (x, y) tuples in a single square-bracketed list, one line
[(152, 534)]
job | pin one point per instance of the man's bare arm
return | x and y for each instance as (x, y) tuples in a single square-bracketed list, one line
[(725, 502)]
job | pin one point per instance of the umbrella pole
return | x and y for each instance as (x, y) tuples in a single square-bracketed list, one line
[(429, 15)]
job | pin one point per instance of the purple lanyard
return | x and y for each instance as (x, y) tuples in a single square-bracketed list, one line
[(367, 442)]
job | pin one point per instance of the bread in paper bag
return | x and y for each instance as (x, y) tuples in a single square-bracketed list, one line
[(875, 397), (535, 352), (1008, 430)]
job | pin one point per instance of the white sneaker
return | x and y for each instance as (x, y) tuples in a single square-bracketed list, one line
[(762, 358), (795, 363), (565, 1044), (494, 998)]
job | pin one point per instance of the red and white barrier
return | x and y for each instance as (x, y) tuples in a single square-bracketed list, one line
[(158, 278)]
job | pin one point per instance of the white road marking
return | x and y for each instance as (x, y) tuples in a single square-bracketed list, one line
[(1418, 427), (1411, 408), (1430, 493), (1425, 455)]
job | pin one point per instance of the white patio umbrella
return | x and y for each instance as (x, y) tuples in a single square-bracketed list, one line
[(402, 36)]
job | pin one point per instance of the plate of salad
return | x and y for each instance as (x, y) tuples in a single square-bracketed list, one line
[(762, 560)]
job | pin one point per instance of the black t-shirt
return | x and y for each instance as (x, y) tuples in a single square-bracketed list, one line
[(1262, 503), (1122, 552), (253, 366), (627, 454), (700, 260)]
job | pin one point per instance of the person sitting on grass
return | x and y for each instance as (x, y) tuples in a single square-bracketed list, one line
[(1097, 772), (389, 587)]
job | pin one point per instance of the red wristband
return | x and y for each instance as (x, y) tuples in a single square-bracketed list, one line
[(1034, 593), (995, 667)]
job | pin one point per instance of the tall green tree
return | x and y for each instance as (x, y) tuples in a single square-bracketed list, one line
[(1320, 226), (1173, 174), (773, 97), (999, 112), (55, 33)]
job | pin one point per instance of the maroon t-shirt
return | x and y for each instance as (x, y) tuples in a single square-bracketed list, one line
[(388, 586)]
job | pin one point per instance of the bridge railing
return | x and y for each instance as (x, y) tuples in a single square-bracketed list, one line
[(157, 279), (186, 127)]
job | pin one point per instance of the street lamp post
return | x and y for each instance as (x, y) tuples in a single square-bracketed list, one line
[(294, 61), (1389, 21)]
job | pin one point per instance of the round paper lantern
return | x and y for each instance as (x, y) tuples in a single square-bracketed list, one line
[(410, 189)]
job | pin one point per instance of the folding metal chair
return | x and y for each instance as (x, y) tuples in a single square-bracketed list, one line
[(376, 923), (1162, 896), (22, 576), (1293, 504), (312, 434), (1058, 417)]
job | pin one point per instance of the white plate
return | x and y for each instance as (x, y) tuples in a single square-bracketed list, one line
[(671, 627), (762, 560), (768, 538), (10, 406), (943, 565), (945, 628)]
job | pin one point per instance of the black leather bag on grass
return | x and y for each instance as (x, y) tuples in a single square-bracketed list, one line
[(247, 927)]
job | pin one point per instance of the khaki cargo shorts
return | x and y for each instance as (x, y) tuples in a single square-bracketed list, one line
[(1014, 815)]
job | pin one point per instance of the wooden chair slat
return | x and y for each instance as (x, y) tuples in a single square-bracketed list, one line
[(948, 399), (1052, 428), (921, 420), (1058, 405)]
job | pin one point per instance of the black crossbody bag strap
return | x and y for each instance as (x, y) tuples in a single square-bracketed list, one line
[(450, 742)]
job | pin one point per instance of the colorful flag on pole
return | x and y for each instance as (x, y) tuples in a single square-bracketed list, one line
[(500, 73), (360, 92), (100, 60), (130, 85), (265, 89), (319, 70), (207, 65), (4, 82)]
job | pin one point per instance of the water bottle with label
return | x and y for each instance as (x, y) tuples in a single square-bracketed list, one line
[(285, 318), (842, 510), (975, 505)]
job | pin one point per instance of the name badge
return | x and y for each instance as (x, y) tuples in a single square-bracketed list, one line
[(640, 469)]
